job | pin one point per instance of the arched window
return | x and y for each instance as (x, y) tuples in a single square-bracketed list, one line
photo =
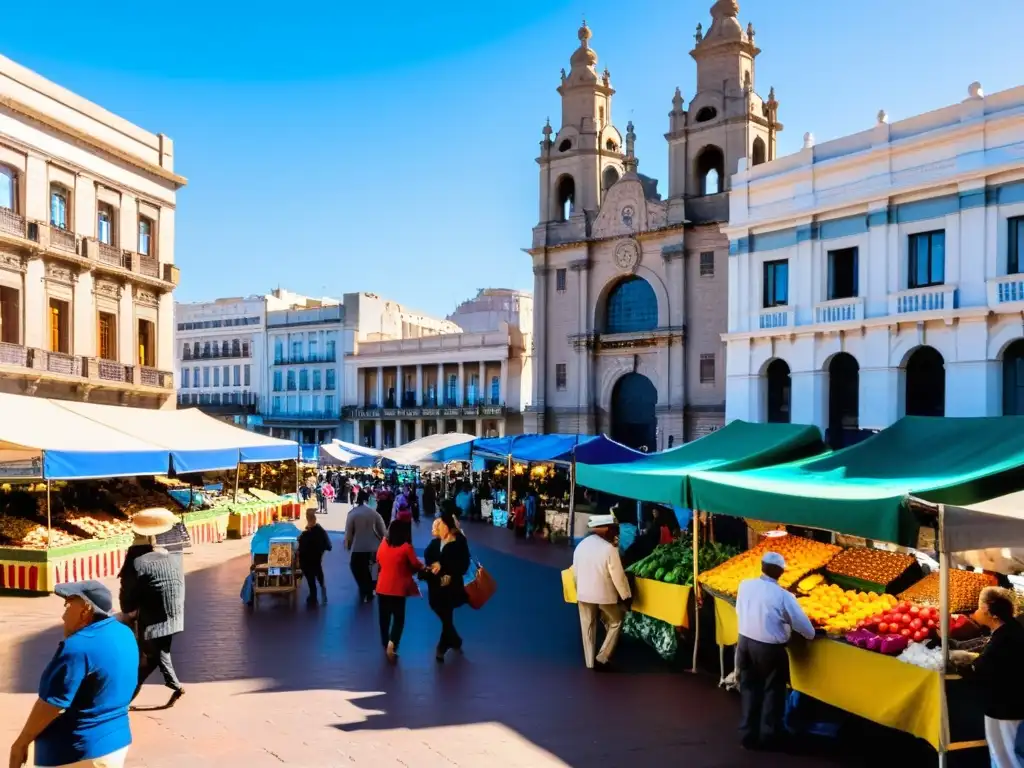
[(7, 188), (565, 198), (779, 392), (843, 397), (758, 153), (609, 177), (925, 393), (565, 145), (706, 113), (58, 207), (1013, 379), (611, 146), (632, 306), (710, 170)]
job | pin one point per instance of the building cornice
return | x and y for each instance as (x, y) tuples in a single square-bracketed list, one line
[(58, 125), (647, 235)]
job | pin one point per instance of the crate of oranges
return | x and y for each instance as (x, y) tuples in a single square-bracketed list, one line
[(802, 557), (874, 570), (964, 590), (838, 610)]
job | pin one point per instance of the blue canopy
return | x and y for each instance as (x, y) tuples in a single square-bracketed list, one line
[(260, 544), (555, 448), (603, 450)]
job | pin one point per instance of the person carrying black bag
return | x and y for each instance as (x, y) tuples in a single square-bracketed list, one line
[(447, 559)]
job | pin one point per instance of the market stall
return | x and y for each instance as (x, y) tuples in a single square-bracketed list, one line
[(886, 489), (341, 454)]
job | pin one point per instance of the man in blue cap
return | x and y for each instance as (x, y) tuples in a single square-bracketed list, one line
[(81, 715)]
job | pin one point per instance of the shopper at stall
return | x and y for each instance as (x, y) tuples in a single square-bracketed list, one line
[(999, 670), (313, 543), (153, 594), (398, 565), (767, 615), (81, 714), (447, 559), (464, 501), (364, 531), (385, 504), (429, 503), (601, 589)]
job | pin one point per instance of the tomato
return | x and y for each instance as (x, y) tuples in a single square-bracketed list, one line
[(925, 613), (931, 624), (905, 618), (919, 636), (916, 624), (914, 610), (875, 619), (905, 632), (883, 628), (860, 624), (904, 607)]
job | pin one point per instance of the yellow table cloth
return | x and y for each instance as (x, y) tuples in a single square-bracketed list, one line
[(879, 688), (667, 602)]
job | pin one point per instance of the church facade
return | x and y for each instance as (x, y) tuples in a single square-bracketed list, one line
[(630, 289)]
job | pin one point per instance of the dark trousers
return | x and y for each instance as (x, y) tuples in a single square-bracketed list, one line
[(764, 674), (360, 564), (314, 574), (153, 654), (391, 612), (449, 639)]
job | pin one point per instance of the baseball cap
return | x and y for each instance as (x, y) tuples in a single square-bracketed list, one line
[(773, 558), (93, 592)]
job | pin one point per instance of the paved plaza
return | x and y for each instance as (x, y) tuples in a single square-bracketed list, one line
[(310, 687)]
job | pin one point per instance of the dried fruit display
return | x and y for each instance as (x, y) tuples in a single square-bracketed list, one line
[(25, 533), (802, 556), (964, 590), (874, 565), (99, 525)]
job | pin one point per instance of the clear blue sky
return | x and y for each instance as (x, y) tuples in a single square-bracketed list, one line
[(335, 147)]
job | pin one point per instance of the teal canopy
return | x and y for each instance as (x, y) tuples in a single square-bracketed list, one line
[(863, 490), (663, 477)]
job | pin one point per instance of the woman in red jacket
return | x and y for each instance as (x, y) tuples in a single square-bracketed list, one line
[(398, 564)]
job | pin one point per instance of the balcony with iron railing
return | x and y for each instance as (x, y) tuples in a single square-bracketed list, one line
[(326, 357), (232, 355), (63, 240), (11, 223), (16, 359)]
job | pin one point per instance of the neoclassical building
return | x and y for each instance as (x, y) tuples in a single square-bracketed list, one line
[(880, 274), (630, 289)]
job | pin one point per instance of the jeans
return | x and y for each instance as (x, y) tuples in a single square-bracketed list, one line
[(763, 673), (360, 564), (156, 653), (391, 612)]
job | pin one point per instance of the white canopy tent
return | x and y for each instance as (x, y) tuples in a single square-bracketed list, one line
[(432, 450), (987, 535), (340, 453)]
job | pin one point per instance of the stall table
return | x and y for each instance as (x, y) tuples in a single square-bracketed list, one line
[(667, 602)]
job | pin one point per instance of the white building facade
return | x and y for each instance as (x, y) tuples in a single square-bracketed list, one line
[(87, 213), (880, 275), (220, 350)]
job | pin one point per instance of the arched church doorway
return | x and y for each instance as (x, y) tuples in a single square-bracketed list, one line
[(634, 422), (925, 383)]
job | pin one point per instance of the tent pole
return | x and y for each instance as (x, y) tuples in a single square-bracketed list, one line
[(508, 498), (943, 635), (572, 501), (298, 462), (695, 523), (238, 471), (49, 527)]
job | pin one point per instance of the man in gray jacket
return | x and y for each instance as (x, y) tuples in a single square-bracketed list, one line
[(364, 530)]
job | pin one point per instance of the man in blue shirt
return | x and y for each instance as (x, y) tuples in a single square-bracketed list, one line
[(81, 715)]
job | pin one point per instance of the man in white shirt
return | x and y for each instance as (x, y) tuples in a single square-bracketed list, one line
[(767, 615), (601, 585)]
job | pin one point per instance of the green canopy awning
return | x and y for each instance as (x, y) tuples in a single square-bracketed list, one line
[(662, 477), (863, 490)]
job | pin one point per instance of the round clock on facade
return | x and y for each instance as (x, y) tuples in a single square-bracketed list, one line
[(627, 255)]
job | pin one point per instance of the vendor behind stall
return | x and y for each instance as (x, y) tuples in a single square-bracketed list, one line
[(1000, 671), (767, 615)]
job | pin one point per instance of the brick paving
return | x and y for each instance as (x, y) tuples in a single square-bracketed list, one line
[(310, 687)]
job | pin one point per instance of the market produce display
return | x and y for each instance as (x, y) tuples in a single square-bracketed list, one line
[(838, 611), (802, 556), (875, 565), (922, 656), (915, 622), (964, 590), (19, 532), (99, 525), (673, 563)]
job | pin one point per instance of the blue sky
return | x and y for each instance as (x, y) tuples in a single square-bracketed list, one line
[(335, 147)]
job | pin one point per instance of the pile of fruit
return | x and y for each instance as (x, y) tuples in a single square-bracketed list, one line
[(914, 622), (25, 533), (673, 563), (875, 565), (802, 556), (99, 525), (964, 590), (838, 611)]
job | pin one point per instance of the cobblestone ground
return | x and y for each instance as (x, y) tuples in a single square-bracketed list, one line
[(310, 687)]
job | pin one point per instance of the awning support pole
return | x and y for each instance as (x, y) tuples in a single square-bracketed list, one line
[(508, 498), (572, 501), (943, 635), (298, 462), (238, 471), (695, 524), (49, 526)]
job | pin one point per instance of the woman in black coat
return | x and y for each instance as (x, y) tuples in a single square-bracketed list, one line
[(447, 560)]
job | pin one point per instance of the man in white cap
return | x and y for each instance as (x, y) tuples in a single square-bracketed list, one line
[(767, 615), (601, 585)]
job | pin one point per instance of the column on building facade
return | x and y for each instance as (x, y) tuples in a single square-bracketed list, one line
[(540, 303), (481, 387), (501, 427), (399, 386), (378, 428), (582, 349), (878, 396), (973, 388), (380, 389), (419, 428), (34, 333), (125, 326), (460, 425), (440, 426), (441, 387), (809, 398), (419, 396), (460, 396), (503, 394), (84, 335)]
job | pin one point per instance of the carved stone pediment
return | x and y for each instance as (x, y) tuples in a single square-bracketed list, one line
[(144, 296), (59, 274), (627, 211), (12, 262), (108, 289)]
